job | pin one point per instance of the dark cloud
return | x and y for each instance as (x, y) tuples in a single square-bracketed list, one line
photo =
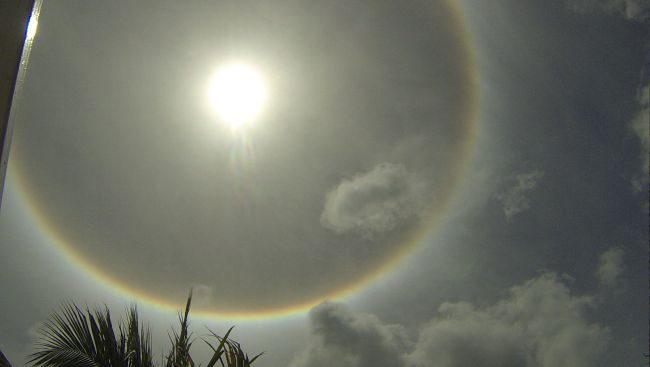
[(343, 338), (376, 201), (538, 324)]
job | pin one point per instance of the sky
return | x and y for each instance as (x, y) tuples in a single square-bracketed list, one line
[(429, 183)]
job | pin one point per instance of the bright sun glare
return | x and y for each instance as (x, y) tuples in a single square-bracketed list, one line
[(237, 92)]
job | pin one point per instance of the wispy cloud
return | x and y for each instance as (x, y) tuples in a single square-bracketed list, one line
[(610, 267), (631, 9), (202, 295), (374, 202), (514, 198), (640, 125), (538, 323)]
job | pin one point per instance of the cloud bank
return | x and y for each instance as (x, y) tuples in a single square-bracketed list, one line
[(537, 324), (515, 197), (375, 202)]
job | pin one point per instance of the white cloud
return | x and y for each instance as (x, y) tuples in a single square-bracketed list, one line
[(515, 198), (641, 128), (631, 9), (610, 267), (538, 324), (375, 202)]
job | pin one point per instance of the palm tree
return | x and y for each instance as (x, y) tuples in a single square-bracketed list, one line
[(77, 338)]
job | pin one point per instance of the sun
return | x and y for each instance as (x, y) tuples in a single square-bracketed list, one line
[(238, 93)]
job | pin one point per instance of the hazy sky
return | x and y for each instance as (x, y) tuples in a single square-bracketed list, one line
[(430, 183)]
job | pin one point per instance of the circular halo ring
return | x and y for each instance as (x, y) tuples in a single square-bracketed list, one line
[(471, 116)]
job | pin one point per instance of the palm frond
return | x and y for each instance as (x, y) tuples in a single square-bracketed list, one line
[(72, 338), (109, 348), (138, 341), (4, 362), (179, 355), (230, 352), (218, 352), (76, 338)]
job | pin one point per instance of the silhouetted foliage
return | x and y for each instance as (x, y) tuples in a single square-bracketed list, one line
[(78, 338), (3, 361)]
